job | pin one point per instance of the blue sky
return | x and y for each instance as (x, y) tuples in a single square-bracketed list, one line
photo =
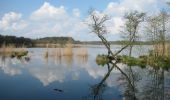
[(27, 6), (41, 18)]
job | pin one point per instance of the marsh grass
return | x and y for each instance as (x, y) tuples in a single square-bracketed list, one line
[(158, 50), (12, 51), (159, 57), (60, 54), (82, 59), (57, 54), (46, 54), (67, 60), (68, 50), (65, 54), (167, 50), (7, 49), (82, 52), (82, 55)]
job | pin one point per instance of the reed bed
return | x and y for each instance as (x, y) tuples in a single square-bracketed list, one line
[(66, 54), (158, 50), (7, 49), (167, 49), (82, 52), (82, 55), (68, 50), (57, 52), (12, 51), (46, 54)]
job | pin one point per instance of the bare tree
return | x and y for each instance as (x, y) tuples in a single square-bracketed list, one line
[(98, 27), (131, 27), (130, 34), (163, 20), (157, 31)]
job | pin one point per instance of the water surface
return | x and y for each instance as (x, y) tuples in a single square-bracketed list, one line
[(74, 78)]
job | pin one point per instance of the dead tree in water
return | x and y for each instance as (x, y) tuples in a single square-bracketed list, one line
[(98, 27)]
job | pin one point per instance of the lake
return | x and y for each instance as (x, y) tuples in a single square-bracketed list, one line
[(77, 77)]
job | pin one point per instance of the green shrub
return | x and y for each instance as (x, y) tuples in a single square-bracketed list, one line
[(102, 60)]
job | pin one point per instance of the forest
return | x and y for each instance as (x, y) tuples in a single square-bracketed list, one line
[(16, 41)]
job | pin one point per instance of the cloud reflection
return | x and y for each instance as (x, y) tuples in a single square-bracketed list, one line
[(5, 65)]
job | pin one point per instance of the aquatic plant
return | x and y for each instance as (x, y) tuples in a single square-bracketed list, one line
[(82, 52), (68, 50), (12, 51), (102, 60), (144, 60), (19, 54), (46, 54)]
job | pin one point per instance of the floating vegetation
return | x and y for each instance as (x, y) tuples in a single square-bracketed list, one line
[(19, 54), (132, 61), (142, 61), (102, 60), (160, 61)]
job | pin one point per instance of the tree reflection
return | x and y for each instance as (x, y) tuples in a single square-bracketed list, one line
[(98, 89), (156, 87), (130, 90)]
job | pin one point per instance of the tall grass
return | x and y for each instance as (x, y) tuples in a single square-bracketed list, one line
[(7, 49), (68, 50), (12, 51), (66, 54), (46, 54), (82, 52), (82, 55), (158, 50), (57, 53), (167, 49)]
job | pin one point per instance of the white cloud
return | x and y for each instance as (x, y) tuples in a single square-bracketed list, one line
[(76, 12), (48, 75), (49, 12), (12, 21), (6, 66), (50, 20), (114, 25), (119, 8)]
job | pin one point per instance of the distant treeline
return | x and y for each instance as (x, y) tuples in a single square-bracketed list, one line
[(21, 41), (54, 40), (118, 42), (16, 41)]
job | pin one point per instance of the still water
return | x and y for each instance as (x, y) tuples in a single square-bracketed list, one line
[(75, 77)]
